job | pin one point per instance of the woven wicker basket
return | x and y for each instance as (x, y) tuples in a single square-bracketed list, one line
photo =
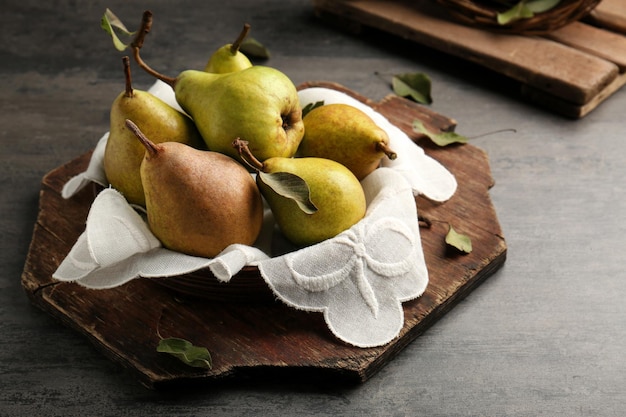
[(483, 14)]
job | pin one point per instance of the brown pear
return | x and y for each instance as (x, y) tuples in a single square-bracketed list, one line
[(198, 202)]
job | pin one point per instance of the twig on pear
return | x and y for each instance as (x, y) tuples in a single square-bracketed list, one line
[(137, 43), (234, 48)]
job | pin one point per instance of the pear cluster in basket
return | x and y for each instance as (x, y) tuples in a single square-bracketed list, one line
[(192, 171)]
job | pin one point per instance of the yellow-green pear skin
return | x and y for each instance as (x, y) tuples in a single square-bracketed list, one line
[(224, 61), (259, 104), (334, 190), (345, 134), (123, 152), (199, 202), (229, 58)]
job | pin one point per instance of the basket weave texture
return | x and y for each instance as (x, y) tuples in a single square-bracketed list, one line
[(483, 14)]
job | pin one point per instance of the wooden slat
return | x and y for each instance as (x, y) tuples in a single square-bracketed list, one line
[(594, 41), (611, 14), (570, 72), (562, 71)]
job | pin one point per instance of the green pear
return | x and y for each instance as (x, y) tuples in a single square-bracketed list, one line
[(259, 104), (345, 134), (198, 202), (123, 153), (335, 199), (229, 58)]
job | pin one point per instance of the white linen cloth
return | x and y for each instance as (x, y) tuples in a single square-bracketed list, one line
[(358, 279)]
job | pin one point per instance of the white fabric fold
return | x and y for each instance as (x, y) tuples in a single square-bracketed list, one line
[(358, 279)]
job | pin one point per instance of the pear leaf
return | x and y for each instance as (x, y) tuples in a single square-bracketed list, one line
[(109, 23), (540, 6), (439, 138), (459, 241), (413, 85), (306, 109), (525, 9), (195, 356), (290, 186), (252, 48), (518, 11)]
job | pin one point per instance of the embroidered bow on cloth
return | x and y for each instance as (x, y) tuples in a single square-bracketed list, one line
[(358, 279)]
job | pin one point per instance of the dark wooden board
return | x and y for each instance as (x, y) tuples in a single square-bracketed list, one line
[(245, 337), (570, 71)]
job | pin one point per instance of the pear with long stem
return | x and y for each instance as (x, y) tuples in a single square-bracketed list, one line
[(123, 153)]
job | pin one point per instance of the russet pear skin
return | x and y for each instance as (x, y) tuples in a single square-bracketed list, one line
[(123, 152), (334, 190), (259, 104), (344, 134), (199, 202)]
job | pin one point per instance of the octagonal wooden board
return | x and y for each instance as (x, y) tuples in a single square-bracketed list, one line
[(247, 338)]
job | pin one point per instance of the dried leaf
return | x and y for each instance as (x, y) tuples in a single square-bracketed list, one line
[(195, 356), (413, 85), (290, 186), (110, 22), (459, 241), (439, 138)]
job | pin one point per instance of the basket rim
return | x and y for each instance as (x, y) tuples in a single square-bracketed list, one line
[(483, 14)]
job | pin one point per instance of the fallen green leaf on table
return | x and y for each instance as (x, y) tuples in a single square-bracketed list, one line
[(439, 138), (195, 356), (525, 9), (459, 241), (110, 22), (413, 85)]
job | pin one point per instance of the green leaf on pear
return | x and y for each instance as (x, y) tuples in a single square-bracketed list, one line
[(194, 356), (306, 109), (458, 240), (252, 48), (439, 138), (290, 186), (416, 86), (110, 23)]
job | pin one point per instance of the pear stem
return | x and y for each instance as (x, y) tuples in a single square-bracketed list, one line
[(234, 48), (146, 25), (246, 156), (383, 147), (149, 145), (129, 84)]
